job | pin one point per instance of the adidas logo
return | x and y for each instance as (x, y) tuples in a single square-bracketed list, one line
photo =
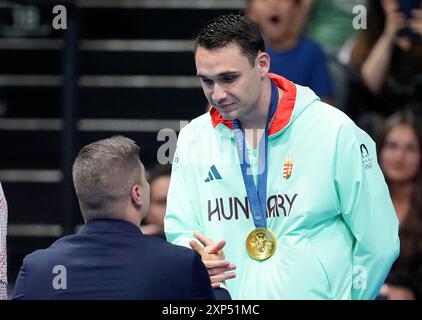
[(213, 174)]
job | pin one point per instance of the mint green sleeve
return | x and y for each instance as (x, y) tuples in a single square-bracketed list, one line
[(367, 209), (181, 220)]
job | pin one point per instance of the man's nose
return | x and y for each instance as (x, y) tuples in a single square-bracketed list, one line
[(219, 93)]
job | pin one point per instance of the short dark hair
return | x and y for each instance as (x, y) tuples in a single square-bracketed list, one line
[(232, 28)]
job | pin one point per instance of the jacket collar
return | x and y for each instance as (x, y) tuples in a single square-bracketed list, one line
[(284, 109), (109, 226)]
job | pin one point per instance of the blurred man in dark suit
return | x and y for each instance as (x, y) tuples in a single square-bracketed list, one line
[(110, 258)]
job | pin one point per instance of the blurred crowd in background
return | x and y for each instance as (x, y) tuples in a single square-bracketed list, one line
[(374, 75)]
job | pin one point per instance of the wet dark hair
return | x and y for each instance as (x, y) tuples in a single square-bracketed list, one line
[(232, 29)]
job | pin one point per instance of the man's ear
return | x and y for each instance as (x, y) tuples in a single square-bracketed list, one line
[(136, 195), (263, 63)]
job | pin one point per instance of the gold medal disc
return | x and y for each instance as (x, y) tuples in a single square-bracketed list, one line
[(261, 244)]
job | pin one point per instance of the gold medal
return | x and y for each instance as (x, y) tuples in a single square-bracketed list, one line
[(261, 244)]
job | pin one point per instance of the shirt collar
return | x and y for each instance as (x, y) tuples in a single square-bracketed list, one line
[(109, 226)]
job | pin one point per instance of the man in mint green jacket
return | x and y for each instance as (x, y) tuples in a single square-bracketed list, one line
[(327, 228)]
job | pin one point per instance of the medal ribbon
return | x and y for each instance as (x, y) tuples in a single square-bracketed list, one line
[(257, 195)]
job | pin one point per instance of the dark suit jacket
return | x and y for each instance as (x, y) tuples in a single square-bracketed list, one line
[(112, 259)]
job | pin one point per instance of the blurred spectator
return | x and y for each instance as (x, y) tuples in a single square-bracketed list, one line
[(3, 251), (298, 59), (400, 160), (329, 22), (386, 64), (159, 181)]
